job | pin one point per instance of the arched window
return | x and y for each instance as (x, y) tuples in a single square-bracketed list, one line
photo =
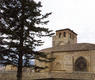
[(70, 35), (80, 64), (64, 34), (59, 35)]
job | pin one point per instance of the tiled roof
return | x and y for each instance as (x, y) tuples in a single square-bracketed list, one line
[(66, 29), (71, 47)]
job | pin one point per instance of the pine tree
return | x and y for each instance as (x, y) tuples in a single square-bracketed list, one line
[(21, 27)]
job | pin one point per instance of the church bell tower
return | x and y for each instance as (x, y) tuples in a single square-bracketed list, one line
[(63, 37)]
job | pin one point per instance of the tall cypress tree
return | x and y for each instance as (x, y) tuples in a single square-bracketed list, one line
[(21, 26)]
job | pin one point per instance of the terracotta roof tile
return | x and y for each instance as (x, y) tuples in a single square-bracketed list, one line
[(66, 29), (70, 47)]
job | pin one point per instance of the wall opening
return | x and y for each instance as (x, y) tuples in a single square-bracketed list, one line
[(59, 35), (80, 64), (64, 34)]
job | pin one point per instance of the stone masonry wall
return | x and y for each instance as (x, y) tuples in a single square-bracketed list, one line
[(65, 60), (58, 75)]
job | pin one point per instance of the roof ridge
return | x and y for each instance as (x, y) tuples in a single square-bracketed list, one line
[(71, 47)]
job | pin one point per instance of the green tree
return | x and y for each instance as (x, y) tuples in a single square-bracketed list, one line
[(21, 27)]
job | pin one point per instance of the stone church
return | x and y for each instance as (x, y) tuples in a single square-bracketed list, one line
[(73, 61)]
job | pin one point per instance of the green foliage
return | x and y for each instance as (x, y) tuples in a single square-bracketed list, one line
[(21, 27)]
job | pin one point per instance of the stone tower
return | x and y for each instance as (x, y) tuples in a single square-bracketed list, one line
[(64, 36)]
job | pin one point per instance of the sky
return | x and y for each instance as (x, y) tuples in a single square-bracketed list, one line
[(78, 15)]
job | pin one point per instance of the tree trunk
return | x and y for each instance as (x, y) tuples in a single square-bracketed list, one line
[(19, 70), (20, 60)]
